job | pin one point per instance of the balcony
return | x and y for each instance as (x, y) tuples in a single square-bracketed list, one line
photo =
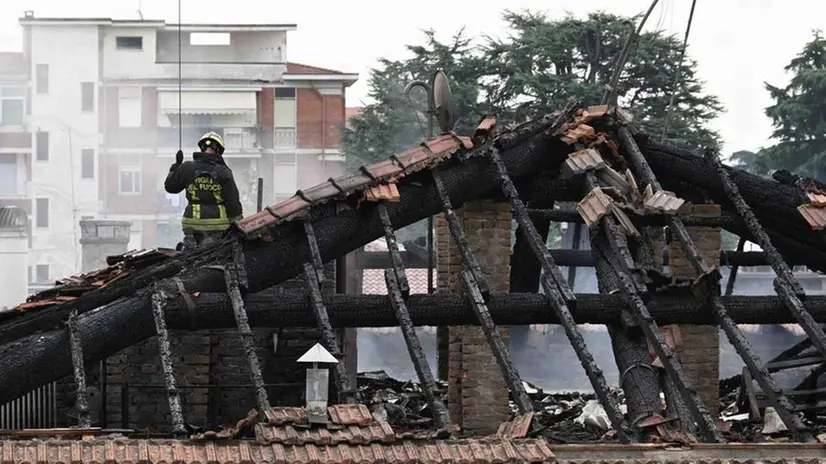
[(284, 137), (265, 72), (236, 139)]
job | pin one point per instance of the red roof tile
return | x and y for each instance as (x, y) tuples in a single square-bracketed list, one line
[(376, 432), (350, 414), (298, 68), (125, 451)]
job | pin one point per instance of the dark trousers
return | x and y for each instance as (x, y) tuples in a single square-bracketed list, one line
[(194, 239)]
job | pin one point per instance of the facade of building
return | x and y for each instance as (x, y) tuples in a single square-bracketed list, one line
[(102, 118)]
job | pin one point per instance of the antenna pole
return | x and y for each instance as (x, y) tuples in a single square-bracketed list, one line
[(180, 79)]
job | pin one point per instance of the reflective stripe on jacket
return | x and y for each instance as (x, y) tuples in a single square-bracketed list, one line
[(211, 194)]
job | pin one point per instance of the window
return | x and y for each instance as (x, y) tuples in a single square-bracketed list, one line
[(42, 212), (41, 273), (87, 163), (284, 180), (13, 101), (8, 174), (87, 96), (129, 174), (42, 75), (285, 93), (42, 146), (129, 43), (284, 117), (129, 106)]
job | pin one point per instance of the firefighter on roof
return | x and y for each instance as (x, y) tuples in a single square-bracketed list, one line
[(211, 194)]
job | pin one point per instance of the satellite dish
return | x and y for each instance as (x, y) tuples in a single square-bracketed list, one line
[(443, 102)]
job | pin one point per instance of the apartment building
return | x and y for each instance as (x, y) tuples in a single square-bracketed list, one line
[(104, 117)]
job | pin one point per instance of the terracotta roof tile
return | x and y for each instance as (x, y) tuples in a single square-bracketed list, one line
[(350, 414), (298, 68), (124, 451), (286, 415), (517, 428), (376, 432), (389, 192)]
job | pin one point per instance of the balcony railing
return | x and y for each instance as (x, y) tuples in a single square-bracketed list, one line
[(235, 138), (284, 137)]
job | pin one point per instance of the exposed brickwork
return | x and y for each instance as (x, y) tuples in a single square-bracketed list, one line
[(313, 110), (478, 395), (215, 361), (700, 355), (266, 115)]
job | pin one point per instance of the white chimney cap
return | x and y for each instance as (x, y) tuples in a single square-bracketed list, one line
[(317, 354)]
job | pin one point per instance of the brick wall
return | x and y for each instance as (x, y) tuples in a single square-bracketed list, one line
[(700, 355), (214, 363), (319, 119), (478, 395)]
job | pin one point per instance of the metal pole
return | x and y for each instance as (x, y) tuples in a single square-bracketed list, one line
[(260, 193), (431, 113)]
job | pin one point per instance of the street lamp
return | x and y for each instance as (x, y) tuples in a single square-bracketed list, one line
[(439, 106)]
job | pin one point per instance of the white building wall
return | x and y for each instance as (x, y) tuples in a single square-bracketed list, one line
[(71, 53), (14, 271)]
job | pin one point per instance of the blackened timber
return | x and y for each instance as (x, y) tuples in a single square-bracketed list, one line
[(534, 240), (657, 341), (562, 257), (328, 336), (393, 247), (472, 277), (786, 285), (732, 275), (414, 348), (318, 264), (724, 220), (174, 399), (557, 292), (756, 366), (247, 340), (76, 346)]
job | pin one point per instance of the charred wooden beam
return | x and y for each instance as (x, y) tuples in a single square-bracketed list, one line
[(610, 244), (398, 293), (247, 341), (476, 289), (578, 258), (414, 348), (724, 220), (174, 399), (786, 285), (527, 149), (396, 263), (559, 295), (328, 336), (76, 346), (45, 357), (317, 262), (710, 280), (732, 276)]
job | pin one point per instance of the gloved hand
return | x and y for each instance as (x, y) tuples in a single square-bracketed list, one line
[(179, 159)]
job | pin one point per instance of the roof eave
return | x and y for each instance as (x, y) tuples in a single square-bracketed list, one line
[(346, 78)]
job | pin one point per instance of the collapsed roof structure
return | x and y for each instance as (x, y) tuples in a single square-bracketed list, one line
[(624, 181)]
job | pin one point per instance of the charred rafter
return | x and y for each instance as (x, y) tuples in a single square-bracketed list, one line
[(76, 346), (314, 275), (414, 347), (786, 285), (476, 288), (174, 398), (558, 292), (732, 276), (233, 281), (611, 246), (736, 337), (396, 262)]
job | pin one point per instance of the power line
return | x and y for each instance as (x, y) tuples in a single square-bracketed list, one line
[(677, 70)]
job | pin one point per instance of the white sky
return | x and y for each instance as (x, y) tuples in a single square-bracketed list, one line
[(739, 43)]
